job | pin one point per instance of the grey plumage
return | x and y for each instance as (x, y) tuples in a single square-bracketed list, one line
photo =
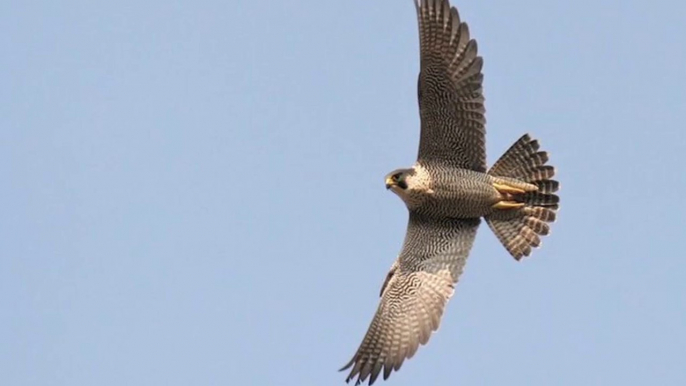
[(451, 103), (415, 293), (519, 229), (446, 192)]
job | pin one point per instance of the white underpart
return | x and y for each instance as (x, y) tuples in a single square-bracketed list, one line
[(418, 187), (421, 181)]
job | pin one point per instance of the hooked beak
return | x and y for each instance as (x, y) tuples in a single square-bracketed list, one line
[(389, 182)]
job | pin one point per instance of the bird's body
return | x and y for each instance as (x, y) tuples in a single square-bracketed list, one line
[(447, 192), (441, 191)]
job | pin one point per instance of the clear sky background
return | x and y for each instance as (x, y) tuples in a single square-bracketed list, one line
[(192, 192)]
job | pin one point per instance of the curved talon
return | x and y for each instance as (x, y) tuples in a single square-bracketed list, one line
[(507, 205), (507, 189)]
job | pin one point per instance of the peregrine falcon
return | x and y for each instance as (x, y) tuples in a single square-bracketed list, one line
[(447, 191)]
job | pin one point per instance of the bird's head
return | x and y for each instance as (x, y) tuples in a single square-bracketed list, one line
[(412, 185), (398, 180)]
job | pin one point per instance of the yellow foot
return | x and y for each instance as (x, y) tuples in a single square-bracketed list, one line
[(508, 189), (507, 205)]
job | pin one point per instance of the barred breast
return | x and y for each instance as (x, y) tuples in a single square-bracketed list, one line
[(453, 193)]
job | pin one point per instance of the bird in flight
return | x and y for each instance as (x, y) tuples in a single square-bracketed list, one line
[(447, 192)]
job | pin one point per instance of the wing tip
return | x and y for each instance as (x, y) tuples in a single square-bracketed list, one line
[(370, 373)]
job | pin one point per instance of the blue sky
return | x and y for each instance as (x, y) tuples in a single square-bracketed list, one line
[(193, 192)]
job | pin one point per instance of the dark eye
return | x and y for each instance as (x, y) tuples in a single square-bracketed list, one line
[(396, 177)]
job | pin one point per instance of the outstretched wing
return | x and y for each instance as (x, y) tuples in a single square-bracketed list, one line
[(414, 295), (451, 103)]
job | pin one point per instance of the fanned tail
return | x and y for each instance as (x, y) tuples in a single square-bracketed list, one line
[(519, 229)]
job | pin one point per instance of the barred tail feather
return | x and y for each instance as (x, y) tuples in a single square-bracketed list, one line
[(519, 230)]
